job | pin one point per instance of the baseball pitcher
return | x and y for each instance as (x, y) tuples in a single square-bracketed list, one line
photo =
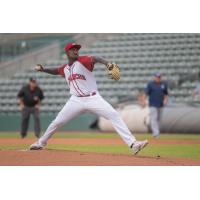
[(85, 96)]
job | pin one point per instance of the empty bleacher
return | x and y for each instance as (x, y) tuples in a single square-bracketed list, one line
[(139, 57)]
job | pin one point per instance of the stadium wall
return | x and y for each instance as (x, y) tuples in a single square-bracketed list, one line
[(11, 122)]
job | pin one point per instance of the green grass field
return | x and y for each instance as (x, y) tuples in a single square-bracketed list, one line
[(153, 149)]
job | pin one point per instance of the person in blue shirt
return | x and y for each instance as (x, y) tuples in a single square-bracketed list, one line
[(157, 92)]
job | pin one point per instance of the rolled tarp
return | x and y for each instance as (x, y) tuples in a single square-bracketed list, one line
[(175, 119)]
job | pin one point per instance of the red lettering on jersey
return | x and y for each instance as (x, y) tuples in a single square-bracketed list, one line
[(87, 61), (76, 76)]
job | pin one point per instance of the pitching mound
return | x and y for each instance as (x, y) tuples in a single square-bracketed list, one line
[(66, 158), (54, 157)]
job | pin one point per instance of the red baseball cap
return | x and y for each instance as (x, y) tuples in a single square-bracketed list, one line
[(71, 45)]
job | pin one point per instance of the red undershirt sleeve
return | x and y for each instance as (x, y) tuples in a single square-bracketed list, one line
[(61, 70)]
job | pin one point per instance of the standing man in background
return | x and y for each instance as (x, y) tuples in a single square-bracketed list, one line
[(30, 97), (157, 92)]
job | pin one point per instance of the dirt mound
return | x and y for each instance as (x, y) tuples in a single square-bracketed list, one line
[(67, 158)]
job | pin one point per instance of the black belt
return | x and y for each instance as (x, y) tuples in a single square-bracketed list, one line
[(88, 95)]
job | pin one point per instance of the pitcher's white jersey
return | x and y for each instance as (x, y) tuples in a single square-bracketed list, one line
[(79, 76)]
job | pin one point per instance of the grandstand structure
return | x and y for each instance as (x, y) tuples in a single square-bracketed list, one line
[(13, 45), (175, 56)]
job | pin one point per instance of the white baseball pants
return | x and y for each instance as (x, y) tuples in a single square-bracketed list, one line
[(95, 104), (155, 117)]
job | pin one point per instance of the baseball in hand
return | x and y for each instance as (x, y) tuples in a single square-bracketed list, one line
[(38, 67)]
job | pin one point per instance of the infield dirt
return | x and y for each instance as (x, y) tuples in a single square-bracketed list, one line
[(70, 158)]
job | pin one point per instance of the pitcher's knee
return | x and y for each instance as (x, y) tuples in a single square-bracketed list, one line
[(57, 123), (114, 115)]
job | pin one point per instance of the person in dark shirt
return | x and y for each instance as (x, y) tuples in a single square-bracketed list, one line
[(30, 97), (157, 92)]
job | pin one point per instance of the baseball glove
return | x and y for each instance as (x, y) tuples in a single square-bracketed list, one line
[(113, 71)]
